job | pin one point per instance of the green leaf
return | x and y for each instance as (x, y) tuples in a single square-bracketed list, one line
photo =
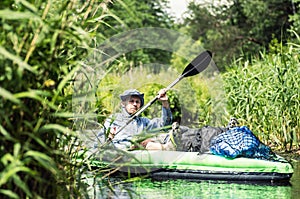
[(5, 159), (12, 170), (16, 59), (16, 15), (65, 80), (34, 94), (6, 134), (37, 95), (22, 185), (9, 193), (28, 5), (64, 115), (17, 148), (8, 95), (58, 127), (44, 160), (38, 140)]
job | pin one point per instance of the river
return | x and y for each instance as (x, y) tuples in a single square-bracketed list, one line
[(171, 189)]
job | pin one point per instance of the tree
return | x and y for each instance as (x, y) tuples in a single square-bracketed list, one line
[(295, 17), (239, 26), (132, 14)]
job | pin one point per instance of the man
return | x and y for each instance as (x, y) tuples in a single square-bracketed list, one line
[(131, 101)]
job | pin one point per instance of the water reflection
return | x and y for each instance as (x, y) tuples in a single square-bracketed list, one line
[(148, 189), (210, 189), (295, 181)]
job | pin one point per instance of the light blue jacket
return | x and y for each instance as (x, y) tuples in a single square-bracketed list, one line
[(137, 126)]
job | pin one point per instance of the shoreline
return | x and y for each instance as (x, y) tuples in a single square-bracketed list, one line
[(291, 156)]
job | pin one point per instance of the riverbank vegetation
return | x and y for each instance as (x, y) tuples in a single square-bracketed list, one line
[(265, 93), (44, 45)]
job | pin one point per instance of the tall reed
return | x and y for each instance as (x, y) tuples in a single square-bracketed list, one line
[(265, 94), (41, 46)]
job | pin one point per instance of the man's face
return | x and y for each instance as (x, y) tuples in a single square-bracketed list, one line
[(133, 104)]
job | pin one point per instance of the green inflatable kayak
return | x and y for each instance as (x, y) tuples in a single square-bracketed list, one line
[(192, 165)]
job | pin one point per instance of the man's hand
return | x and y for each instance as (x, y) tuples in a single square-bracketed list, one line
[(145, 142), (162, 96), (112, 133)]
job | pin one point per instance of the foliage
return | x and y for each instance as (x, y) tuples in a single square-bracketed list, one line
[(295, 17), (265, 94), (133, 15), (42, 43), (239, 28)]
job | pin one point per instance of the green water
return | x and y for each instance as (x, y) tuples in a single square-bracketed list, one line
[(171, 189), (210, 189)]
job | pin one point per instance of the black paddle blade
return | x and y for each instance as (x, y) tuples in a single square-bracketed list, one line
[(199, 64)]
